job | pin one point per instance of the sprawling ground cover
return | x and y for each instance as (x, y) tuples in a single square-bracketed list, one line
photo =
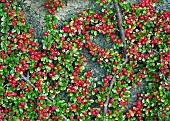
[(35, 74)]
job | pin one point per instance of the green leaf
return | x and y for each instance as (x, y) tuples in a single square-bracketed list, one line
[(109, 1), (11, 71), (3, 30), (3, 24), (55, 77), (2, 90), (3, 46), (4, 37), (98, 1), (59, 58), (3, 18), (19, 23), (36, 89), (63, 88), (95, 33), (82, 68), (58, 8)]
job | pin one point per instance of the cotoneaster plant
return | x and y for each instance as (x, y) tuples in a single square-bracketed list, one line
[(53, 5), (33, 79)]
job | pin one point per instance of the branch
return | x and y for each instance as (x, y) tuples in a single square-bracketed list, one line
[(27, 80), (108, 97), (122, 35), (28, 75), (121, 30), (120, 21)]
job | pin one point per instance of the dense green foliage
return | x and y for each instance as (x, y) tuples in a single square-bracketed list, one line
[(59, 66)]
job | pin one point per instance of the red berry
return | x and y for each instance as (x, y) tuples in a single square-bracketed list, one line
[(128, 115), (47, 5), (154, 1), (168, 42), (53, 107), (2, 1), (7, 3), (43, 54), (71, 117), (140, 117), (98, 60), (124, 89), (73, 105), (5, 8), (22, 103), (9, 13), (19, 106), (78, 117), (95, 90), (56, 83), (26, 89), (45, 33), (109, 112), (23, 20), (45, 114), (163, 115), (159, 99), (54, 27), (30, 30), (57, 117), (111, 100), (21, 95), (50, 74), (54, 73)]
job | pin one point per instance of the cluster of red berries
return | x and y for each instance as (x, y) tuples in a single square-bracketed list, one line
[(53, 5)]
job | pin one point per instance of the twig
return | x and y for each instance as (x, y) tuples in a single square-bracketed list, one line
[(121, 30), (155, 51), (28, 75), (108, 97), (27, 80), (126, 60), (122, 35)]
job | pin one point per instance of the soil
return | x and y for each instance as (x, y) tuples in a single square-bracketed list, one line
[(35, 12)]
